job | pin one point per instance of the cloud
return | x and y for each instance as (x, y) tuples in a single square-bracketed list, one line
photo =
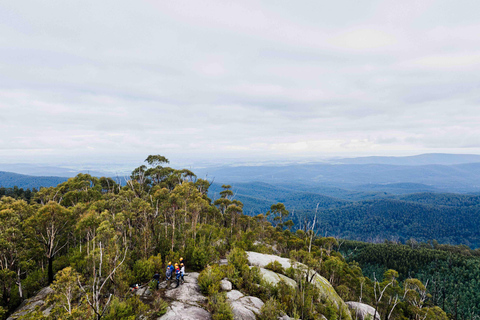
[(269, 78)]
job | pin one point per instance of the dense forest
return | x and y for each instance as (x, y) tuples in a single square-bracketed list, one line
[(452, 272), (90, 239), (446, 217)]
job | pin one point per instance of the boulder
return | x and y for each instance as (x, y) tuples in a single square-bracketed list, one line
[(30, 304), (274, 278), (181, 311), (244, 307), (234, 295), (362, 310), (226, 285)]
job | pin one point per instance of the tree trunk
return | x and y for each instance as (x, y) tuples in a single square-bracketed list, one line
[(50, 270)]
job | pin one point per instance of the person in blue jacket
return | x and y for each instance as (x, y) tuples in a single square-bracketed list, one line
[(178, 274)]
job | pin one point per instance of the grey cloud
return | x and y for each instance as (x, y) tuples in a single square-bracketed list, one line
[(237, 78)]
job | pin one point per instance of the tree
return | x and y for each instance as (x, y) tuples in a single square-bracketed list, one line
[(279, 213), (66, 289), (49, 226)]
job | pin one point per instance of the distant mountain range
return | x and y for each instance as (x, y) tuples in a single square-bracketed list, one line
[(10, 180), (422, 159), (363, 177)]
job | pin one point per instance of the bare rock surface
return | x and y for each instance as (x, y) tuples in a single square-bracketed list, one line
[(189, 292), (188, 302), (261, 259), (274, 278), (362, 310), (181, 311), (30, 304), (244, 307)]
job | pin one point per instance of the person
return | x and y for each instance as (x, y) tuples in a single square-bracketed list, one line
[(168, 273), (182, 272), (156, 277), (182, 261), (177, 274)]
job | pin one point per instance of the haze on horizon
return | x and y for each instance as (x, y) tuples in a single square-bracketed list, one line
[(118, 80)]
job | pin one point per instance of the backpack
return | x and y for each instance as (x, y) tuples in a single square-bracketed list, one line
[(169, 272)]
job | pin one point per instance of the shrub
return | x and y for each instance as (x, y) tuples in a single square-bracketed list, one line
[(271, 310), (220, 307), (143, 270), (275, 266), (237, 258), (209, 279), (159, 307), (129, 309)]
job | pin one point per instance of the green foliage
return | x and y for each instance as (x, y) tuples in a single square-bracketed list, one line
[(275, 266), (129, 309), (159, 307), (209, 279), (143, 270), (271, 310), (220, 307), (237, 258)]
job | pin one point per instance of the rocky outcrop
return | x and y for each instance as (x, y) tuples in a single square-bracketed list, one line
[(362, 311), (261, 260), (31, 304), (326, 289), (182, 311), (243, 307), (187, 301)]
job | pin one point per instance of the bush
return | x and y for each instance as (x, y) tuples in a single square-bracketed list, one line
[(275, 266), (237, 258), (209, 279), (129, 309), (271, 310), (143, 270), (220, 307), (159, 307)]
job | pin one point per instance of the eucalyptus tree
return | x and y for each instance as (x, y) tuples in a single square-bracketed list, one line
[(50, 226)]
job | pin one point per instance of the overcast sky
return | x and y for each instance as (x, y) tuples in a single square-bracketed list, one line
[(88, 80)]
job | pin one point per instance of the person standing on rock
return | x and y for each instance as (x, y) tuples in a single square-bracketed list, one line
[(169, 271), (156, 277), (182, 272), (178, 274)]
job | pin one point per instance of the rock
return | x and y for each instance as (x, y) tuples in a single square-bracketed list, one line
[(189, 292), (234, 295), (29, 305), (222, 262), (261, 260), (326, 289), (182, 311), (143, 291), (244, 307), (274, 278), (362, 310), (226, 285)]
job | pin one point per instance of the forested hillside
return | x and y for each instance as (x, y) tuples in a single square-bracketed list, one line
[(452, 272), (91, 240), (10, 180)]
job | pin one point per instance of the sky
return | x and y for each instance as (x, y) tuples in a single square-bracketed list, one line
[(119, 80)]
